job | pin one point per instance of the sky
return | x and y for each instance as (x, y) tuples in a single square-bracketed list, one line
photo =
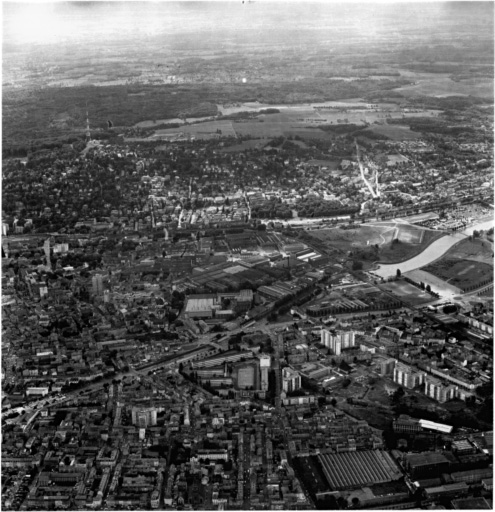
[(64, 22)]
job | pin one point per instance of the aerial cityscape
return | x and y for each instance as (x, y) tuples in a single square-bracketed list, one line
[(247, 255)]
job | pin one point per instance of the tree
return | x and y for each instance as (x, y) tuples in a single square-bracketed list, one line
[(357, 265), (428, 288), (399, 273), (355, 502), (398, 394)]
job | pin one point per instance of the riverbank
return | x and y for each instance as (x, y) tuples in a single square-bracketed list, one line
[(433, 252)]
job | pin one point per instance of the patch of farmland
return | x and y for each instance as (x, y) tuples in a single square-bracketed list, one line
[(464, 274), (474, 250), (202, 130), (442, 86), (247, 144), (278, 129), (395, 131)]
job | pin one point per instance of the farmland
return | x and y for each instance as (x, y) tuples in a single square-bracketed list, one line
[(395, 132), (304, 120), (206, 130), (474, 250), (246, 145), (442, 86), (464, 274)]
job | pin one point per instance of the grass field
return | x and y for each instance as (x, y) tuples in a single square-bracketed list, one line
[(442, 86), (300, 120), (437, 284), (202, 130), (410, 234), (272, 128), (464, 274), (377, 417), (408, 292), (395, 131), (412, 239), (474, 250), (347, 239), (247, 144)]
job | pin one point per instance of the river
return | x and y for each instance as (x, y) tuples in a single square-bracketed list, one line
[(433, 252)]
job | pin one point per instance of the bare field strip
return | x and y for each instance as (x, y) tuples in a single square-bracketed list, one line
[(408, 292), (444, 86)]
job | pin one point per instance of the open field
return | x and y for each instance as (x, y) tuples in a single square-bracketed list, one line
[(443, 86), (347, 239), (247, 144), (410, 234), (377, 417), (175, 120), (412, 239), (464, 274), (279, 128), (437, 284), (205, 130), (474, 250), (302, 120), (408, 292), (395, 131)]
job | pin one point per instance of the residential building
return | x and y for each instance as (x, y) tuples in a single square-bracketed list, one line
[(144, 417), (407, 377), (291, 380)]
